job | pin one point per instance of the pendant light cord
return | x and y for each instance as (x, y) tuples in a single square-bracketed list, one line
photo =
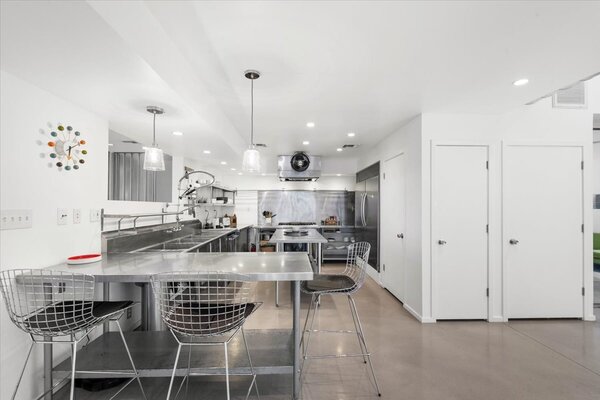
[(252, 113), (154, 130)]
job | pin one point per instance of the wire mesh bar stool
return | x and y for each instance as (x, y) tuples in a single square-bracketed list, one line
[(346, 284), (55, 307), (199, 306)]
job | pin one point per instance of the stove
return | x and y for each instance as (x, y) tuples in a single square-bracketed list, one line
[(296, 223)]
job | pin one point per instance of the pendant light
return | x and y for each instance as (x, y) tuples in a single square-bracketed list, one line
[(154, 159), (251, 161)]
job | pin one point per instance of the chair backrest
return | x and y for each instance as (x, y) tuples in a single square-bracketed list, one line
[(47, 303), (357, 261), (203, 303)]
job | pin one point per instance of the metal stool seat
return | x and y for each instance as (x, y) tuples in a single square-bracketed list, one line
[(346, 283), (53, 304), (65, 317), (324, 283), (205, 309)]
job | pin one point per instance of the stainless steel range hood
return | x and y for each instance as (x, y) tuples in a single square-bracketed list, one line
[(299, 167)]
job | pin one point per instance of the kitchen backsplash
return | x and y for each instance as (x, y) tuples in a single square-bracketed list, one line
[(306, 205)]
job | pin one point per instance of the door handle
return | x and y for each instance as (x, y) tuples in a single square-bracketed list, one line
[(513, 241), (400, 235), (441, 242)]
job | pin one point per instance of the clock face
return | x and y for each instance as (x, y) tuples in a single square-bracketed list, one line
[(68, 148)]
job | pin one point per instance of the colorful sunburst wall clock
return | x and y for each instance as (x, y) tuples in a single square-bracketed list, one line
[(67, 148)]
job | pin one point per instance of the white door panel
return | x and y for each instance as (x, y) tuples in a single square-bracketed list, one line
[(543, 212), (459, 236), (393, 209)]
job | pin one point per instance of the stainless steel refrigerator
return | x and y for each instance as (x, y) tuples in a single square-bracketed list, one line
[(366, 211)]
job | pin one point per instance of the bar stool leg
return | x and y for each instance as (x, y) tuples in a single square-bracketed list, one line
[(362, 336), (254, 382), (22, 371), (73, 363), (174, 370), (312, 322), (226, 370), (357, 331), (137, 375)]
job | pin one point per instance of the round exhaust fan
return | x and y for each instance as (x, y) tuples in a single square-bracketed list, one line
[(300, 161)]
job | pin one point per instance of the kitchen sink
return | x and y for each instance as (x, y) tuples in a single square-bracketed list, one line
[(171, 246)]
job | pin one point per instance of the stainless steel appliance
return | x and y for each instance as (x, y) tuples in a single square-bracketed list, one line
[(366, 211), (299, 167)]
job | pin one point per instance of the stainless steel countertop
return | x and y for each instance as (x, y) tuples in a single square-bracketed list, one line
[(312, 237), (302, 226), (193, 241), (138, 267)]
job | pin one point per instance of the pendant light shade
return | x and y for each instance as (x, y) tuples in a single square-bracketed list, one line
[(251, 161), (154, 159)]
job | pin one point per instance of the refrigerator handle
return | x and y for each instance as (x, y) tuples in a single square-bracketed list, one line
[(362, 210)]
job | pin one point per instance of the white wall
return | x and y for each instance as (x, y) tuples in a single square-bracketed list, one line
[(535, 123), (27, 115), (406, 140)]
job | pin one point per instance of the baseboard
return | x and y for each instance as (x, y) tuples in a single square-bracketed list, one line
[(590, 318), (376, 276), (418, 316), (497, 319)]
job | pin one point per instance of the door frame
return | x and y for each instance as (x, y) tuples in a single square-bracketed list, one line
[(586, 247), (433, 231), (382, 172)]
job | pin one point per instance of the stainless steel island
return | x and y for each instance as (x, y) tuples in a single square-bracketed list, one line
[(277, 351), (298, 236)]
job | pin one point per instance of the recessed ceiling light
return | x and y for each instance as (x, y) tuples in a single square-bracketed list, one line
[(223, 162), (233, 169), (263, 174), (178, 133), (339, 149), (306, 142), (338, 174), (521, 82), (310, 124), (239, 173), (206, 151), (110, 144), (351, 134)]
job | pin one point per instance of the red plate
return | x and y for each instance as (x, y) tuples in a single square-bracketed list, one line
[(84, 258)]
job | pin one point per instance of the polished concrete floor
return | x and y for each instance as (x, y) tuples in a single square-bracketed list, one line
[(549, 359)]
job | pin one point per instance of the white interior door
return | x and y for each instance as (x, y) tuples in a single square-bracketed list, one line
[(459, 232), (393, 215), (543, 239)]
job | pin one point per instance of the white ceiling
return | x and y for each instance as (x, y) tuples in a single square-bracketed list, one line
[(363, 67)]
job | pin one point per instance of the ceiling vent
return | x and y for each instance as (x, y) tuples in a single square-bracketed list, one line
[(260, 145), (571, 97), (130, 141), (348, 146)]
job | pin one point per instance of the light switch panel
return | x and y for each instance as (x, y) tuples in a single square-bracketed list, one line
[(94, 215), (76, 216), (16, 219), (62, 216)]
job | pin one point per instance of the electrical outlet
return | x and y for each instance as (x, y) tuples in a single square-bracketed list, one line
[(16, 219), (62, 216), (94, 215), (76, 216)]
